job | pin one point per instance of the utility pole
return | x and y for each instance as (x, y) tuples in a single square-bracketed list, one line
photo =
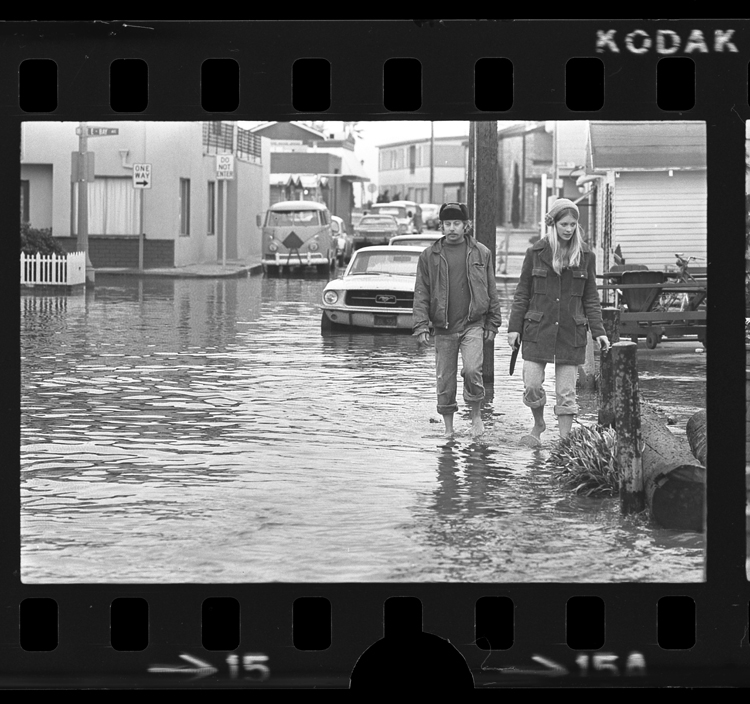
[(432, 160), (485, 208), (82, 178), (470, 171)]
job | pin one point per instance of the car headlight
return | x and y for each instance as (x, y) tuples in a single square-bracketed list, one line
[(313, 247), (330, 297), (272, 247)]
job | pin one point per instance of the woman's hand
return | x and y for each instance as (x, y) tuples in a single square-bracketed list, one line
[(603, 342), (514, 339)]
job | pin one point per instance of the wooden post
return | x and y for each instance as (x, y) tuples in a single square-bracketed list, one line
[(485, 192), (611, 319), (628, 423)]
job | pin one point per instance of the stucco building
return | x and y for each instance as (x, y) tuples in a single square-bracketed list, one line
[(182, 214)]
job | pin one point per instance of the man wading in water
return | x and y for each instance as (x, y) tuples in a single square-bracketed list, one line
[(455, 292)]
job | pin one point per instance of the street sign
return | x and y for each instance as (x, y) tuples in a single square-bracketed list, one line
[(102, 131), (224, 166), (141, 175)]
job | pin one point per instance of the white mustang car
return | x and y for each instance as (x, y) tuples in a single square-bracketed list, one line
[(376, 290)]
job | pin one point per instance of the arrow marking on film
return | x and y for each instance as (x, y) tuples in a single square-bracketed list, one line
[(202, 669), (555, 670)]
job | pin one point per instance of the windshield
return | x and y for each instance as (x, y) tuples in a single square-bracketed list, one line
[(395, 211), (287, 218), (376, 221), (385, 263), (413, 242)]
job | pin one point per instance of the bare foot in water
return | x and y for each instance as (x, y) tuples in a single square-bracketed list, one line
[(477, 426), (534, 438), (448, 420)]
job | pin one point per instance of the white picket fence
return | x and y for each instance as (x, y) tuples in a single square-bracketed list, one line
[(53, 270)]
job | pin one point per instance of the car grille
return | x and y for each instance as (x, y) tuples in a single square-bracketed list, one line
[(380, 299)]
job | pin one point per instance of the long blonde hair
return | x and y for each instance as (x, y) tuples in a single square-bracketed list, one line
[(572, 256)]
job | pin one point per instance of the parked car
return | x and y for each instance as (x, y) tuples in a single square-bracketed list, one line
[(357, 215), (407, 213), (375, 292), (344, 241), (423, 241), (430, 212), (297, 234), (374, 230)]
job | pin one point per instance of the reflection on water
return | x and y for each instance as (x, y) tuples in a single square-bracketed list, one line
[(203, 431)]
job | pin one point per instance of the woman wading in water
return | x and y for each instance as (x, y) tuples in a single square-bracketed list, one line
[(554, 306)]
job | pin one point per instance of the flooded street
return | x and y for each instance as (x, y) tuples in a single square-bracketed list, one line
[(202, 430)]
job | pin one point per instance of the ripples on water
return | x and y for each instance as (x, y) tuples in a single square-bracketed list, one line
[(204, 431)]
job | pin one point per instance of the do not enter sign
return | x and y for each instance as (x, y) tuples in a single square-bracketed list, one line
[(225, 166)]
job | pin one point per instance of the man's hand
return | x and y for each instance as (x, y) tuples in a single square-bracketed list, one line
[(489, 335), (513, 339), (423, 338)]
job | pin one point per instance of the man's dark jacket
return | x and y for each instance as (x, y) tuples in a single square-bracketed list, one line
[(554, 312), (431, 289)]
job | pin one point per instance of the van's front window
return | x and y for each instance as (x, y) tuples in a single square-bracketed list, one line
[(289, 218)]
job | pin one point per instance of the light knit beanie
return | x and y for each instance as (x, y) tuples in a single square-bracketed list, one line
[(557, 206)]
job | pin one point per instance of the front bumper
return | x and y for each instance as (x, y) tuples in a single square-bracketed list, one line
[(285, 259), (377, 318)]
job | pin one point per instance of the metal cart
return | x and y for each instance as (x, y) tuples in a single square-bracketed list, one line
[(637, 293)]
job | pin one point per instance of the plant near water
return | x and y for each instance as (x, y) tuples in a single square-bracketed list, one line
[(39, 241), (585, 461)]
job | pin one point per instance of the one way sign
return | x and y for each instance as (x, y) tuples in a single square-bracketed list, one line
[(141, 175)]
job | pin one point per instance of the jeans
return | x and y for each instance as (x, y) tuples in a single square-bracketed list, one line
[(471, 344), (534, 395)]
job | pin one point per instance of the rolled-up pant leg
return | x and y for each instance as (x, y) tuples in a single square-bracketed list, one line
[(565, 389), (534, 395), (446, 372), (472, 358)]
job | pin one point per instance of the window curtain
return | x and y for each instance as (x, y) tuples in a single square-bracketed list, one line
[(114, 207)]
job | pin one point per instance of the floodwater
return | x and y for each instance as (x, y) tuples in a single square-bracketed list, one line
[(193, 430)]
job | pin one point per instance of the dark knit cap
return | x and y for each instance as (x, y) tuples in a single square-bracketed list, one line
[(453, 211)]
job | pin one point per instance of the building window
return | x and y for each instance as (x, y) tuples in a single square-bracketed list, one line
[(211, 226), (114, 207), (24, 201), (184, 206), (412, 158)]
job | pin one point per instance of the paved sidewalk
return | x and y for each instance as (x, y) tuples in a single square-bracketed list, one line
[(517, 242)]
